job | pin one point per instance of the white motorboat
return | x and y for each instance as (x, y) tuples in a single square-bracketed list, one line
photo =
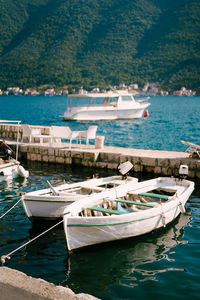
[(104, 106), (130, 211), (49, 204)]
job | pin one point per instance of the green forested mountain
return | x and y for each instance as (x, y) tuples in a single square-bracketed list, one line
[(100, 42)]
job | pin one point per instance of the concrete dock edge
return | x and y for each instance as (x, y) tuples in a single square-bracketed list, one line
[(15, 285)]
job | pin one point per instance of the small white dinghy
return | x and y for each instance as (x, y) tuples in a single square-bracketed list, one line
[(131, 210), (10, 167), (49, 204)]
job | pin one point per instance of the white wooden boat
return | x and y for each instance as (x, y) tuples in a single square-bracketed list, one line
[(104, 106), (129, 211), (49, 204)]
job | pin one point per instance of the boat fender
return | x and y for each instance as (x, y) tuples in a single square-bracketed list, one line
[(163, 219), (181, 207), (146, 114), (1, 173), (22, 172)]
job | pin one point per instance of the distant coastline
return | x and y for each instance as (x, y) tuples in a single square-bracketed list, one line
[(149, 89)]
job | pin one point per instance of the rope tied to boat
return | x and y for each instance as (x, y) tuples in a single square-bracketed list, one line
[(1, 217), (7, 256)]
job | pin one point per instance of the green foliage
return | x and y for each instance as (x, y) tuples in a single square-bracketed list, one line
[(99, 42)]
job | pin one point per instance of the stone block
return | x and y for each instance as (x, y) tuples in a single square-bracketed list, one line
[(33, 157), (90, 156), (157, 170), (164, 163), (113, 158), (60, 160), (174, 163), (191, 174), (102, 165), (52, 158), (45, 158), (39, 157), (112, 166), (77, 160), (61, 152), (29, 156), (165, 171), (138, 168), (77, 154), (68, 160), (148, 169), (51, 151), (23, 148), (148, 161), (103, 157), (66, 153)]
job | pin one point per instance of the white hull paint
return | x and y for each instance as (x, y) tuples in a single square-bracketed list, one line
[(104, 113), (85, 231)]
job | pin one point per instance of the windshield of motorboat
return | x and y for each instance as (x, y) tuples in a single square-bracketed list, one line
[(97, 101), (127, 98)]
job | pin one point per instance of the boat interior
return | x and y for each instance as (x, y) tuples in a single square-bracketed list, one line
[(132, 202)]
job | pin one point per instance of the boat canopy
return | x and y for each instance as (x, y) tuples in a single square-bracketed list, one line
[(87, 100), (91, 99)]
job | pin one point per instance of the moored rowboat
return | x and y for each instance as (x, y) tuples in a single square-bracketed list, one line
[(132, 211), (49, 204)]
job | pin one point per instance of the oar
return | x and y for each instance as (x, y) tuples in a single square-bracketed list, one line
[(4, 257), (52, 188)]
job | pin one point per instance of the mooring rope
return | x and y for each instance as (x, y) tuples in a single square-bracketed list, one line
[(10, 209), (4, 257)]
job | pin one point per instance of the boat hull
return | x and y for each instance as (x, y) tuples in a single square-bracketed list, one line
[(47, 210), (104, 113)]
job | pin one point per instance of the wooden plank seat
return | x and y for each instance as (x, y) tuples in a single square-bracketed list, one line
[(134, 203), (105, 210), (152, 195)]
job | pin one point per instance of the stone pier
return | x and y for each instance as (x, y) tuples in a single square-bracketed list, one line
[(156, 162)]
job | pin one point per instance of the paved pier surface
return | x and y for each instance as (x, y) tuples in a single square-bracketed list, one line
[(15, 285)]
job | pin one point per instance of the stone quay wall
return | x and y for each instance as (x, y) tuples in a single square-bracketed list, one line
[(156, 162)]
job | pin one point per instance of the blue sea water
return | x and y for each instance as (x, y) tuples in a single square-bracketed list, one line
[(159, 265), (171, 119)]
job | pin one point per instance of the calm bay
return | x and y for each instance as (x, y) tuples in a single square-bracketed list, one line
[(162, 264)]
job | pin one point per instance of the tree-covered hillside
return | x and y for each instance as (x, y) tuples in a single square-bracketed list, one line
[(100, 42)]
